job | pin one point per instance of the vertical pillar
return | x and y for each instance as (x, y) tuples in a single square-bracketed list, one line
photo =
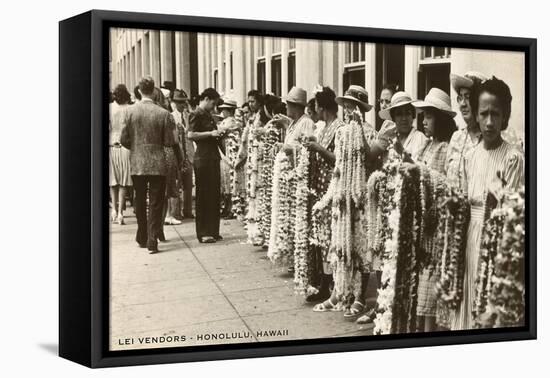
[(167, 69), (248, 57), (213, 39), (411, 70), (239, 69), (370, 80), (183, 61), (227, 74), (146, 56), (284, 66), (219, 62), (154, 58), (201, 60), (267, 53)]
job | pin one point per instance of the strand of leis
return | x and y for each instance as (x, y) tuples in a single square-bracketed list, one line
[(389, 194), (503, 243), (253, 158), (269, 150), (450, 245)]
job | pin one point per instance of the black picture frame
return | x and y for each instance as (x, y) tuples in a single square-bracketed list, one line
[(84, 239)]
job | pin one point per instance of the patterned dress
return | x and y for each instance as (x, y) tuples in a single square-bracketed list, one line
[(433, 154), (480, 171)]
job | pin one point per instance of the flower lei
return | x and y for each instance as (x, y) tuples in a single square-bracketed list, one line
[(388, 187), (345, 197), (302, 259), (450, 248), (268, 150), (500, 288), (281, 241), (252, 166)]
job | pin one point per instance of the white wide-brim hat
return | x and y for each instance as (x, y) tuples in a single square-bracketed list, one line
[(438, 99), (467, 80), (356, 94), (228, 104), (297, 96), (397, 100)]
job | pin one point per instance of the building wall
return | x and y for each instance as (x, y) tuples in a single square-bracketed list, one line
[(164, 55), (230, 64)]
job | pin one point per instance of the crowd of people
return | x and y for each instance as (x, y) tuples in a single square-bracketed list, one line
[(332, 198)]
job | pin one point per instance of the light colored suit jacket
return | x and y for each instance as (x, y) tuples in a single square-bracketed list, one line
[(148, 129)]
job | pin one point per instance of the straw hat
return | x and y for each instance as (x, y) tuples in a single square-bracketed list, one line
[(358, 95), (436, 98), (467, 80), (397, 100), (228, 104), (297, 96)]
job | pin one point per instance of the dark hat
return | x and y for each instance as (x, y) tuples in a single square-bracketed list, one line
[(180, 96), (168, 85)]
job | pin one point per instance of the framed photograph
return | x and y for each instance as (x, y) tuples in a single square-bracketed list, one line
[(235, 188)]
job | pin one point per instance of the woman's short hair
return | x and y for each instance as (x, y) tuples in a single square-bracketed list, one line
[(390, 87), (326, 99), (257, 95), (500, 90), (121, 94), (445, 125), (209, 93), (408, 107), (274, 105)]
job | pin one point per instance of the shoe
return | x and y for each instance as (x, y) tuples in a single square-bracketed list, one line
[(218, 237), (120, 219), (113, 217), (206, 239), (188, 216), (153, 250), (172, 221)]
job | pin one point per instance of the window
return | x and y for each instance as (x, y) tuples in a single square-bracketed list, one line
[(436, 52), (354, 76), (261, 75), (276, 72), (354, 52), (291, 70)]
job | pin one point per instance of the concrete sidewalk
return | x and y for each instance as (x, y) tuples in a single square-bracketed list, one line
[(200, 294)]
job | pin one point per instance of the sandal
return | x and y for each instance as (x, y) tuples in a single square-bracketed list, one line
[(355, 309), (327, 306)]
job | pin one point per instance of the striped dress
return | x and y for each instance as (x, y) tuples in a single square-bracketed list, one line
[(480, 171)]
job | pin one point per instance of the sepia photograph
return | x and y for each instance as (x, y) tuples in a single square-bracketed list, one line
[(270, 189)]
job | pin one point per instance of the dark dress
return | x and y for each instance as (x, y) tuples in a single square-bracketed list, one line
[(207, 175)]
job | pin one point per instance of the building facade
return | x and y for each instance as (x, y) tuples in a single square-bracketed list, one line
[(234, 64), (164, 55)]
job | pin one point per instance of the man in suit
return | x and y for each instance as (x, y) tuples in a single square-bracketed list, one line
[(149, 128)]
